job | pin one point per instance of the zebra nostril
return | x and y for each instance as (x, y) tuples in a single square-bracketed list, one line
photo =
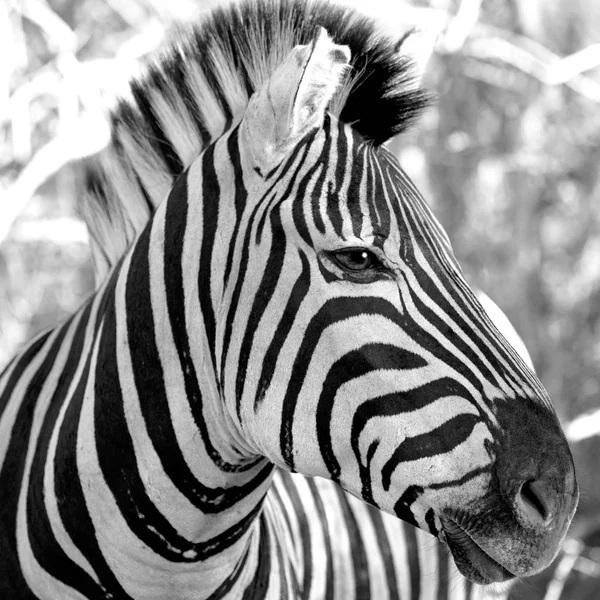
[(534, 503)]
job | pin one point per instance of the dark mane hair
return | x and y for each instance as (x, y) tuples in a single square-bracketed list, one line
[(199, 87)]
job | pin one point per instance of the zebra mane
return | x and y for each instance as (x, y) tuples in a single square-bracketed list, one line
[(199, 87)]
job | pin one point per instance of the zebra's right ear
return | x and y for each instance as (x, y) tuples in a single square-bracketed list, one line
[(418, 45), (293, 100)]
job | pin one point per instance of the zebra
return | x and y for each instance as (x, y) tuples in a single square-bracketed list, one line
[(282, 368)]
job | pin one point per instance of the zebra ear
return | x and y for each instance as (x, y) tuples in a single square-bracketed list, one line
[(417, 45), (294, 99)]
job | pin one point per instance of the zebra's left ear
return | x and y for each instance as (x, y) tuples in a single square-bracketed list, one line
[(293, 100)]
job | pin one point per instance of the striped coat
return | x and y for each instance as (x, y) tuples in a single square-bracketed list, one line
[(275, 296)]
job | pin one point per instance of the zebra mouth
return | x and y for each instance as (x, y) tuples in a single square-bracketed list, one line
[(471, 560)]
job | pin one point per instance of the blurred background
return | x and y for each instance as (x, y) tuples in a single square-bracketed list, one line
[(508, 158)]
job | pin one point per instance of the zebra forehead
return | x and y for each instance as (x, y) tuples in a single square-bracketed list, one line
[(200, 86), (370, 183)]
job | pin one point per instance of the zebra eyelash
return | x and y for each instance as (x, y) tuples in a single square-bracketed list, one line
[(340, 264)]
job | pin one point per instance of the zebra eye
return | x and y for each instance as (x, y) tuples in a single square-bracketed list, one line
[(357, 260)]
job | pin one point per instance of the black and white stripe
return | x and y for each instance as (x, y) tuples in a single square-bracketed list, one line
[(143, 443)]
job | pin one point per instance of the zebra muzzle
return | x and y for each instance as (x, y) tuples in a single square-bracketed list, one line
[(472, 561)]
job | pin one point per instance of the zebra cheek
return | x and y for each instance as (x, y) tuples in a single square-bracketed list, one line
[(435, 463)]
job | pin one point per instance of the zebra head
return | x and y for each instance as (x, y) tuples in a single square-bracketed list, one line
[(347, 344)]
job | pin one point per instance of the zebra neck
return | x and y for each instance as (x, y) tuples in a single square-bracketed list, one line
[(163, 467)]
